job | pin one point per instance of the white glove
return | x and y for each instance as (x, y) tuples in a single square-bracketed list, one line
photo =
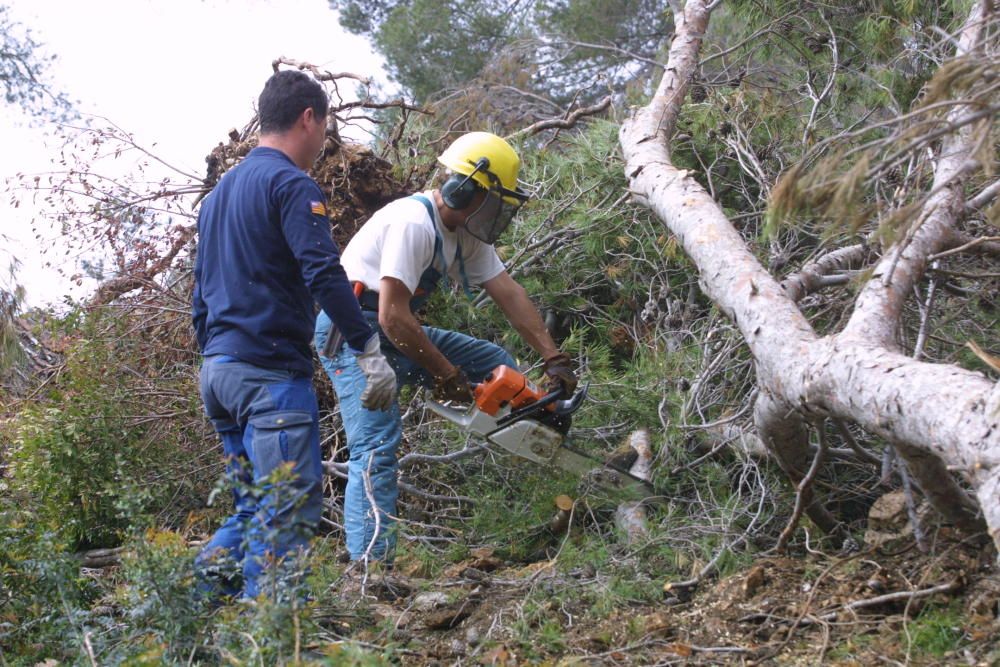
[(380, 390)]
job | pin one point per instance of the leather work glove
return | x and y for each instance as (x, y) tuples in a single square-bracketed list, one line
[(453, 387), (559, 374), (380, 386)]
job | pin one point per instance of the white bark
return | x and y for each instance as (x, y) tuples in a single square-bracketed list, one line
[(858, 374)]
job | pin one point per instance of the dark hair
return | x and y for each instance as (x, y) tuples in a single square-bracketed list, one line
[(285, 96)]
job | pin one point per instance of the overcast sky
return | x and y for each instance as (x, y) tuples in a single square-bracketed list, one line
[(177, 74)]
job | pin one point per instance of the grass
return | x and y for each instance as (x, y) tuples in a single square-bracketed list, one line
[(936, 631)]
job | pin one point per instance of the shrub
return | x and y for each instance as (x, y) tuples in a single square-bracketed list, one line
[(40, 590), (116, 416)]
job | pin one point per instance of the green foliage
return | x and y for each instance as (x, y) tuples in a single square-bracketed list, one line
[(11, 298), (92, 439), (936, 631), (433, 46), (116, 440), (41, 589), (525, 502), (24, 72), (69, 458), (537, 632), (158, 592)]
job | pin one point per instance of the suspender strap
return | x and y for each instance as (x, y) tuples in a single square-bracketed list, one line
[(438, 254)]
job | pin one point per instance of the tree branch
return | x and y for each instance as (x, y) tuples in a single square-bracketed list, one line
[(983, 199), (562, 123), (809, 279), (114, 288), (960, 242), (321, 75), (942, 409), (878, 307)]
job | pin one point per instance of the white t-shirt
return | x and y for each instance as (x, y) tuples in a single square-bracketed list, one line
[(398, 242)]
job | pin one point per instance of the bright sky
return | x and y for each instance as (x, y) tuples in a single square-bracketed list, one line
[(177, 74)]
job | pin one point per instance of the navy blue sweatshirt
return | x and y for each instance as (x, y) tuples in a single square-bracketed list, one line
[(264, 254)]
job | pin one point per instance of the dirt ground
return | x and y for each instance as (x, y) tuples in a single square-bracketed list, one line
[(866, 608)]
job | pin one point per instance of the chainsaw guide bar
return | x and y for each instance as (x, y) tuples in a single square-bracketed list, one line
[(513, 414)]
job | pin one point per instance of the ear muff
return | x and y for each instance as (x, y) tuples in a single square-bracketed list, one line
[(457, 192)]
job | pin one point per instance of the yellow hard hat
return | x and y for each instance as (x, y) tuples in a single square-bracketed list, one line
[(486, 158)]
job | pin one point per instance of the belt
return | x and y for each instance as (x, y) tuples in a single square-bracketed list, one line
[(367, 298), (334, 339)]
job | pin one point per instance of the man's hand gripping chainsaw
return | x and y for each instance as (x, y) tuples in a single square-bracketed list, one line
[(509, 411)]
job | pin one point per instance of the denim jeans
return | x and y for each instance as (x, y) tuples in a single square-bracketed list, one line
[(373, 436), (267, 419)]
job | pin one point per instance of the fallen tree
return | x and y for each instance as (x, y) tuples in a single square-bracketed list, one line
[(940, 418)]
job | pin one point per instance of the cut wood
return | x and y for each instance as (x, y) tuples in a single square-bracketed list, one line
[(564, 513)]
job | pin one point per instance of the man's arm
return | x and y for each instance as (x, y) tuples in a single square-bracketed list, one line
[(522, 313), (199, 316), (404, 331), (199, 310)]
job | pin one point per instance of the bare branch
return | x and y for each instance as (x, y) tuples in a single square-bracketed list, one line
[(141, 277), (392, 104), (562, 123), (802, 493), (809, 278), (321, 75), (986, 244), (983, 199)]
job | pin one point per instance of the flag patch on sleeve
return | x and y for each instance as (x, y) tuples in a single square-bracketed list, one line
[(317, 207)]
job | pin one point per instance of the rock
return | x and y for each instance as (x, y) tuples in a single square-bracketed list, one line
[(429, 600), (630, 519), (484, 560), (877, 583), (888, 522), (888, 512), (475, 575), (658, 624), (983, 598), (385, 613), (458, 647)]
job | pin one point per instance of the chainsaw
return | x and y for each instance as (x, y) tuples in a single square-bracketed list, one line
[(512, 413)]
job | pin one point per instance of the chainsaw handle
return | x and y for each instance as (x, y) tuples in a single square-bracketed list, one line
[(529, 410), (565, 407), (572, 404)]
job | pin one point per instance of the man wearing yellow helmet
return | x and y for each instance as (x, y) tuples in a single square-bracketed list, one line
[(395, 261)]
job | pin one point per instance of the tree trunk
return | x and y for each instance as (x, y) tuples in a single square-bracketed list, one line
[(947, 412)]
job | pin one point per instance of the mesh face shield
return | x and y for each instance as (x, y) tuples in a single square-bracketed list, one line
[(491, 219), (488, 222)]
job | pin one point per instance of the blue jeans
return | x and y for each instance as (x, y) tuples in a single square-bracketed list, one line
[(267, 419), (373, 436)]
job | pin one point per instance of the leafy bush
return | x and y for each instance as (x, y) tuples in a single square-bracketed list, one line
[(73, 461), (41, 590), (116, 417)]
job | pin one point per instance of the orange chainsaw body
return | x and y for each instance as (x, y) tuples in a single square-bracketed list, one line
[(506, 387)]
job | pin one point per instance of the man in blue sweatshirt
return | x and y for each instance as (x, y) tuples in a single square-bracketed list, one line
[(265, 255)]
